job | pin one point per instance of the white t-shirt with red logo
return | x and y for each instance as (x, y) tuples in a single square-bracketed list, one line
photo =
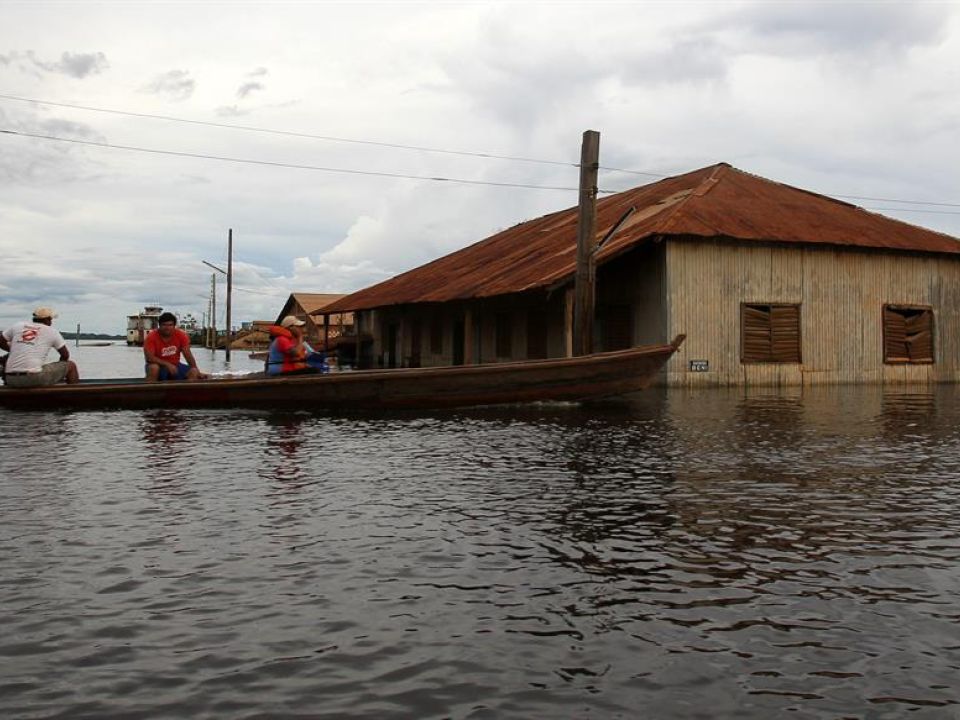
[(29, 344)]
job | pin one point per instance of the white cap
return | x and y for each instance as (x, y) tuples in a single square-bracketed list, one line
[(291, 320)]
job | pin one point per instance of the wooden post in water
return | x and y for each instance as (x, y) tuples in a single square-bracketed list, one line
[(585, 278), (213, 310), (77, 338), (229, 290)]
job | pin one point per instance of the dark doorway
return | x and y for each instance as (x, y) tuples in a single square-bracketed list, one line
[(458, 338)]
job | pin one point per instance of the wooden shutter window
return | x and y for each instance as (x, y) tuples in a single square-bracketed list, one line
[(907, 334), (770, 333)]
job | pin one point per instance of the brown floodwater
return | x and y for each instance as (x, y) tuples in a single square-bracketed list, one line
[(713, 554)]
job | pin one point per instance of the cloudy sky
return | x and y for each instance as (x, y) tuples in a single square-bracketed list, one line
[(332, 101)]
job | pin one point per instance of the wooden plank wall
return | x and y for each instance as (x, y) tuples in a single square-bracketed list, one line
[(841, 292)]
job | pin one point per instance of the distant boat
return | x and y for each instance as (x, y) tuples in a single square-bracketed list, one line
[(588, 377), (140, 324)]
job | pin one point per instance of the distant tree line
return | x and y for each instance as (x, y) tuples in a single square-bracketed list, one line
[(91, 336)]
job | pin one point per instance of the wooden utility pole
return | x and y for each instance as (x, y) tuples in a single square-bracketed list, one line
[(585, 278), (229, 290), (213, 309)]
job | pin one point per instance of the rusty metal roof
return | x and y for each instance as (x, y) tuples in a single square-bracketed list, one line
[(718, 201)]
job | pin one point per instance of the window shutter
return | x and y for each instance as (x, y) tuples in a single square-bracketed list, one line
[(785, 333), (894, 336), (919, 329), (771, 333), (907, 334), (756, 333)]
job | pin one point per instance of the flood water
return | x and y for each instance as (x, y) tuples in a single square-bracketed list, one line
[(712, 554)]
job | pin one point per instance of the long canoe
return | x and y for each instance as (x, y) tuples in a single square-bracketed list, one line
[(578, 378)]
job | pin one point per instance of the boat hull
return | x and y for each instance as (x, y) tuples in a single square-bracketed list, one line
[(581, 378)]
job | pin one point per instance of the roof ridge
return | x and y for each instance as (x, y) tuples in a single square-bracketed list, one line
[(708, 183)]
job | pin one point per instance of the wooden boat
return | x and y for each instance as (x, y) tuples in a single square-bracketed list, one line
[(587, 377)]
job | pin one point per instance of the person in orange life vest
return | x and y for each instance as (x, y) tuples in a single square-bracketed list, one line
[(28, 344), (162, 350), (289, 350)]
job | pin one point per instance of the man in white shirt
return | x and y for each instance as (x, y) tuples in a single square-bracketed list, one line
[(28, 344)]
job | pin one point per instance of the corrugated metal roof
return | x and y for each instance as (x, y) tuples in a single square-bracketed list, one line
[(314, 301), (718, 201)]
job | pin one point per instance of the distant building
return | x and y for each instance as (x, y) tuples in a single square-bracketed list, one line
[(188, 323), (772, 285), (254, 335), (305, 306), (140, 324)]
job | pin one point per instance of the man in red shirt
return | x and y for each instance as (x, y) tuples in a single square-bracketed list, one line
[(162, 350)]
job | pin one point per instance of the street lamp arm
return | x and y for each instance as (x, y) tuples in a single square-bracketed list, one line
[(223, 272)]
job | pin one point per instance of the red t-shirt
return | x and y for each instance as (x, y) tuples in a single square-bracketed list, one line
[(167, 349)]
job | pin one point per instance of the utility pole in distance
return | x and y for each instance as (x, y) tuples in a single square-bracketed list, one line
[(585, 279), (213, 310), (229, 273), (229, 290)]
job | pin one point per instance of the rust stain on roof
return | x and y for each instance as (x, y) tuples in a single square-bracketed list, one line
[(718, 201)]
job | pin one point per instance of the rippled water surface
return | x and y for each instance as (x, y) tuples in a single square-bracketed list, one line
[(684, 555)]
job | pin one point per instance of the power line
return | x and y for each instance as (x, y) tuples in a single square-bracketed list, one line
[(461, 181), (908, 202), (269, 163), (931, 212), (278, 291), (419, 148), (328, 138)]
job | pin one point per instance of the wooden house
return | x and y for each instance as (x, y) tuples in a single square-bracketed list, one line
[(304, 306), (772, 285)]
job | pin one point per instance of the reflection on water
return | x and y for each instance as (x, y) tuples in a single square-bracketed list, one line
[(698, 554), (283, 460)]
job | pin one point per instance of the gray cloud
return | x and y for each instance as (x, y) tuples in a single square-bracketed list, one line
[(247, 88), (39, 162), (259, 72), (79, 65), (177, 85), (76, 65), (841, 28), (229, 111), (695, 59), (68, 128)]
